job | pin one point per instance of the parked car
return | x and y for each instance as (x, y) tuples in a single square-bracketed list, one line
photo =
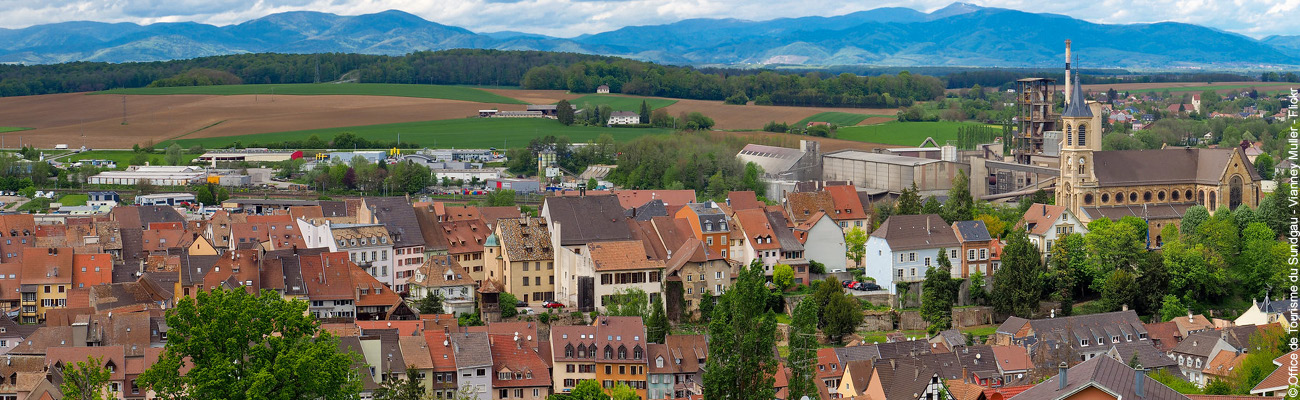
[(845, 283), (870, 286), (552, 304), (521, 303)]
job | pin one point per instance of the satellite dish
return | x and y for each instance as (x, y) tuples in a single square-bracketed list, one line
[(804, 398)]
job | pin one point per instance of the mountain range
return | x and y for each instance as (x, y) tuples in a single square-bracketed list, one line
[(958, 35)]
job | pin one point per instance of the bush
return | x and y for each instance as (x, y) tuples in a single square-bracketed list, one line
[(737, 99), (509, 305)]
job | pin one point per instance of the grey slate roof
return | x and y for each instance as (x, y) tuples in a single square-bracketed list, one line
[(973, 231), (472, 349), (398, 215), (1148, 355), (784, 235), (1103, 373), (1199, 344), (651, 209), (588, 219), (910, 232), (1078, 106)]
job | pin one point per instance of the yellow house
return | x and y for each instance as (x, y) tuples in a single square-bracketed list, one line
[(527, 259), (201, 247), (47, 278), (857, 374)]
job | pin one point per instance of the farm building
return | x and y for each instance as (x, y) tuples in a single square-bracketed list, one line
[(519, 114), (103, 199), (157, 175), (783, 162), (602, 89)]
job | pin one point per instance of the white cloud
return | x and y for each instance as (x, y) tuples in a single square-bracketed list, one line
[(565, 18)]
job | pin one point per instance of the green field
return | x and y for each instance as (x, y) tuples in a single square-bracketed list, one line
[(74, 199), (902, 133), (4, 129), (459, 133), (837, 118), (620, 103), (123, 157), (364, 89)]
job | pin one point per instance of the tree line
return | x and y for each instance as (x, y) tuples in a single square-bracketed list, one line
[(765, 88)]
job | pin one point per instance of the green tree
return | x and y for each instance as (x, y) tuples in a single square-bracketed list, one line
[(1120, 289), (623, 392), (501, 198), (1261, 261), (1172, 308), (564, 112), (1114, 245), (1071, 267), (85, 380), (630, 302), (645, 112), (959, 203), (657, 326), (592, 183), (782, 276), (931, 206), (396, 387), (843, 314), (203, 194), (509, 305), (1193, 268), (742, 334), (1016, 285), (587, 389), (242, 346), (222, 195), (1264, 164), (939, 294), (909, 202), (139, 158), (430, 304), (173, 155), (707, 301), (802, 337), (977, 293), (1192, 219), (856, 240)]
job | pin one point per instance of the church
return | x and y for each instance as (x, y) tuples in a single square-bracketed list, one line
[(1155, 185)]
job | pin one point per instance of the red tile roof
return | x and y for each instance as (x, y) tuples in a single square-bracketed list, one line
[(1040, 217), (523, 363), (622, 255), (404, 328), (92, 269), (847, 203), (754, 223), (42, 266), (743, 200), (637, 198)]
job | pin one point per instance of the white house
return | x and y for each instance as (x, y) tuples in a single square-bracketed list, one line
[(623, 265), (445, 277), (903, 247), (1045, 224), (368, 245), (1265, 312), (823, 241), (624, 118)]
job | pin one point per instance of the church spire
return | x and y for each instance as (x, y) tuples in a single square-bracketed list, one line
[(1076, 106)]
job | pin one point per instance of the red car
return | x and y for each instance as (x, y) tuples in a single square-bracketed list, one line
[(552, 304)]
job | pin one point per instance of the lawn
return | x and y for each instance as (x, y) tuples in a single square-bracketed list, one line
[(460, 133), (365, 89), (620, 103), (123, 157), (837, 118), (74, 199), (902, 133), (4, 129)]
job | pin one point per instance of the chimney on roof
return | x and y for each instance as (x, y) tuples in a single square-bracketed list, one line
[(1062, 371), (1139, 379), (1189, 316)]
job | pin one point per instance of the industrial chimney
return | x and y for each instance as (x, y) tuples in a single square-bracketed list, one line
[(1067, 71)]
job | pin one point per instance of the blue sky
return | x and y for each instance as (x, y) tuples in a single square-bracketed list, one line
[(565, 18)]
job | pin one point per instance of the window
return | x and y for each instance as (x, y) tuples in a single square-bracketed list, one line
[(953, 254), (984, 254), (911, 256), (505, 393), (927, 261), (970, 254)]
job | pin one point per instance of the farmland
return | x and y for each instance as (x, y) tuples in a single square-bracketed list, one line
[(902, 133), (838, 118), (307, 89), (1221, 87), (621, 103), (461, 133), (4, 129)]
